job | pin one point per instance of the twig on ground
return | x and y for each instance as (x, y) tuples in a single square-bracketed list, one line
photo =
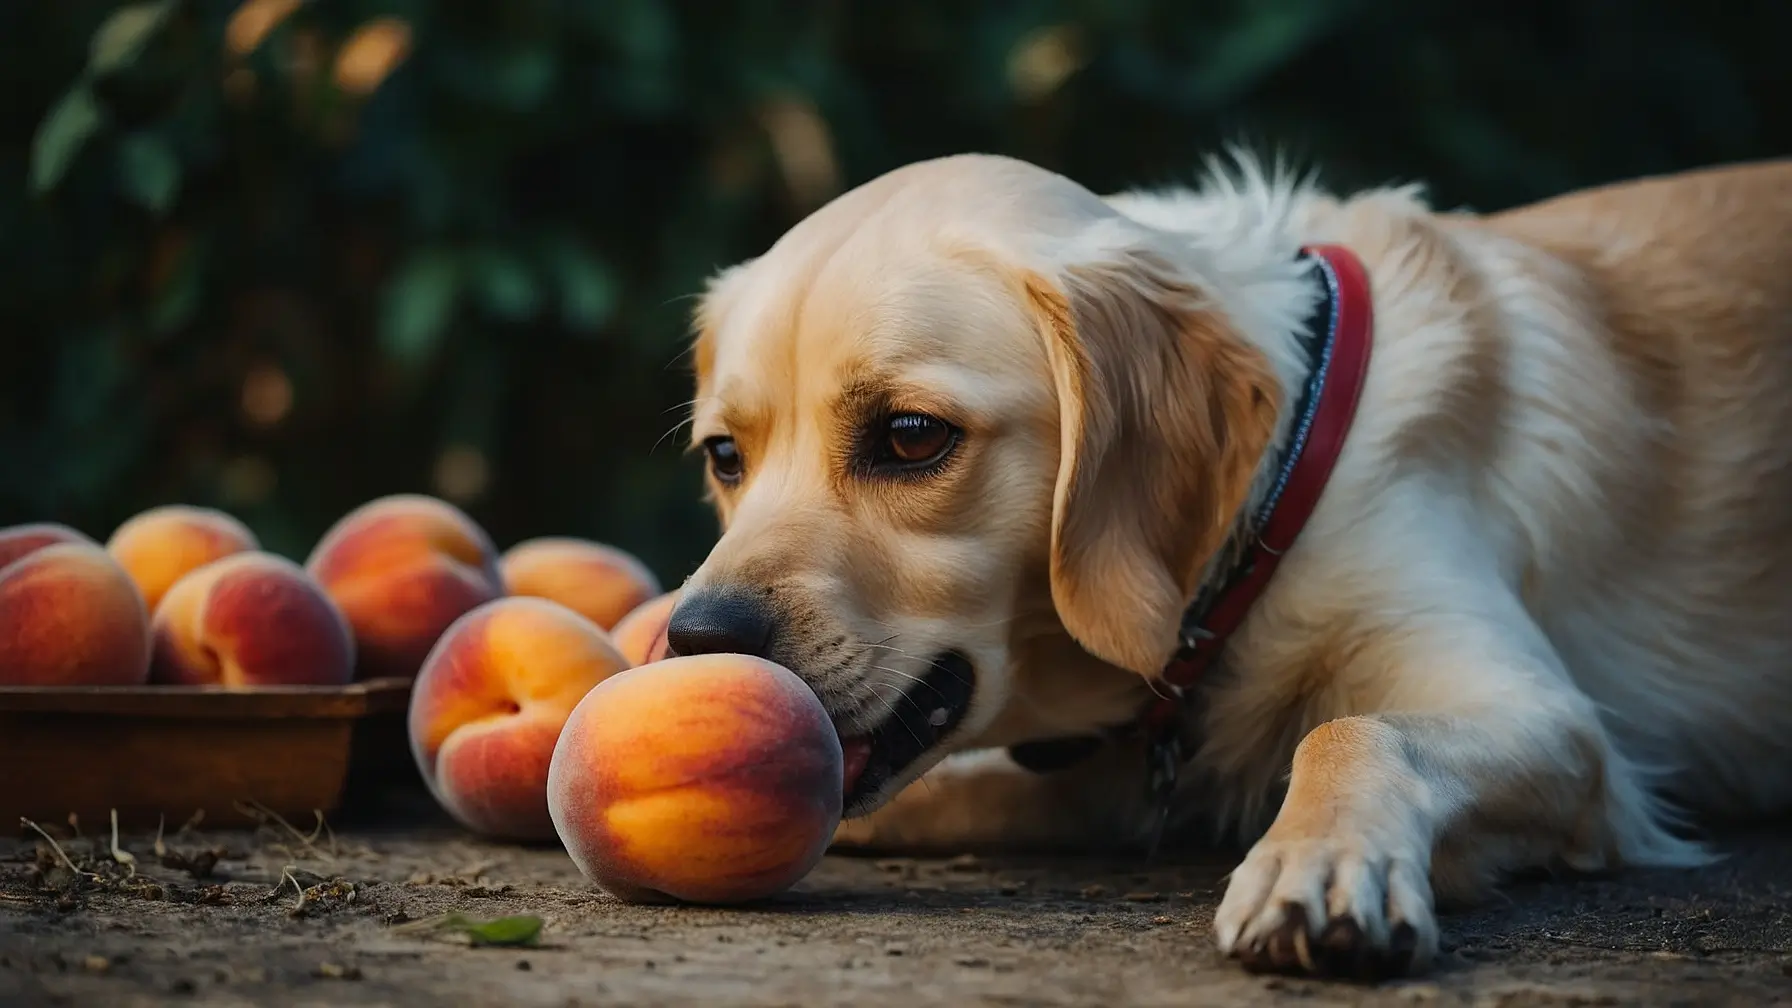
[(329, 834), (119, 854), (267, 816), (61, 854)]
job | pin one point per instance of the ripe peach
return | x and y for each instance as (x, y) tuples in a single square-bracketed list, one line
[(19, 540), (402, 568), (489, 704), (599, 582), (70, 616), (250, 619), (711, 778), (159, 546), (641, 635)]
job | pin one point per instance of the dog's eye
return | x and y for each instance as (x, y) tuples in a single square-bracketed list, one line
[(724, 459), (916, 440)]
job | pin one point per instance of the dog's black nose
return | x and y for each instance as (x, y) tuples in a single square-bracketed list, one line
[(720, 621)]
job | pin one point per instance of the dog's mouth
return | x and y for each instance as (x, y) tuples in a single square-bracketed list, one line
[(928, 712)]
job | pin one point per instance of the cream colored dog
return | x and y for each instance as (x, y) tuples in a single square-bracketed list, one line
[(977, 438)]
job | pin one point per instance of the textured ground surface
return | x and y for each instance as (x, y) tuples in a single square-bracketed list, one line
[(858, 932)]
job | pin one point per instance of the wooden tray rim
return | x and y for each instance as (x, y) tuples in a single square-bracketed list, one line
[(372, 696)]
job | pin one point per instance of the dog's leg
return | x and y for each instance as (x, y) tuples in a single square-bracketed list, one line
[(1490, 761), (984, 800)]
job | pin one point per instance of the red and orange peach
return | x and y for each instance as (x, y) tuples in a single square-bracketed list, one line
[(250, 619), (19, 540), (401, 569), (160, 546), (641, 635), (70, 616), (710, 779), (597, 581), (489, 704)]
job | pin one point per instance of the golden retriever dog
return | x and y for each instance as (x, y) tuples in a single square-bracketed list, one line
[(979, 439)]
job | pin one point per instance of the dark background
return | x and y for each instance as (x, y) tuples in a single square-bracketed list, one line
[(280, 258)]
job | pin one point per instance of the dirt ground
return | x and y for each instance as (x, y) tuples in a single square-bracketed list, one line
[(858, 932)]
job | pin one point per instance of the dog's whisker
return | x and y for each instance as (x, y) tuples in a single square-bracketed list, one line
[(687, 404), (877, 646), (892, 715), (911, 678), (674, 430)]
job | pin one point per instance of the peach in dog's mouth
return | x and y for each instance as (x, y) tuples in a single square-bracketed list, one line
[(927, 713)]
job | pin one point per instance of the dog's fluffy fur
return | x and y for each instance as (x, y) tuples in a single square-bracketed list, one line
[(1545, 601)]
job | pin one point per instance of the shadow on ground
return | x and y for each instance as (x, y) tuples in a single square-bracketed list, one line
[(966, 931)]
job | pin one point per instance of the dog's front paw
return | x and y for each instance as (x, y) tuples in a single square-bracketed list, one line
[(1327, 908)]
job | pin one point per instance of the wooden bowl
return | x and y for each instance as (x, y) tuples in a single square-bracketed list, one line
[(165, 752)]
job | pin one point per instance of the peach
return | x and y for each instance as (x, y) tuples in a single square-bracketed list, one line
[(402, 568), (641, 635), (488, 706), (19, 540), (250, 619), (599, 582), (713, 778), (70, 616), (159, 546)]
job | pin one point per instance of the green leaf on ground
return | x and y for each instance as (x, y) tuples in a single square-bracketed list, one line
[(520, 930)]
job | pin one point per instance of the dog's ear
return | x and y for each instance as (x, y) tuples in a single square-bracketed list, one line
[(718, 297), (1164, 418)]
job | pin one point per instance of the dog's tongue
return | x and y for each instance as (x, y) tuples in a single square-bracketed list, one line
[(858, 753)]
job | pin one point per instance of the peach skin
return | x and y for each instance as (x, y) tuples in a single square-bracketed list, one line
[(19, 540), (159, 546), (70, 616), (489, 704), (250, 619), (641, 635), (402, 568), (712, 778), (599, 582)]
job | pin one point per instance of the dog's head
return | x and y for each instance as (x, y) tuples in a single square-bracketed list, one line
[(973, 437)]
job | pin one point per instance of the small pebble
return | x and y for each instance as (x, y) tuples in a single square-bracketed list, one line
[(523, 964)]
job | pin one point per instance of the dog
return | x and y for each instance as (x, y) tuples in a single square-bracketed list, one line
[(981, 442)]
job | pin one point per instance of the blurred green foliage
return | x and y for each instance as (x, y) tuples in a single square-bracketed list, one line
[(282, 257)]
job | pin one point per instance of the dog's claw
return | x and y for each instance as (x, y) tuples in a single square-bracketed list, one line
[(1273, 918)]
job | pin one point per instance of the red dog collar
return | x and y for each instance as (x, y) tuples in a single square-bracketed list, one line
[(1323, 420), (1326, 414)]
